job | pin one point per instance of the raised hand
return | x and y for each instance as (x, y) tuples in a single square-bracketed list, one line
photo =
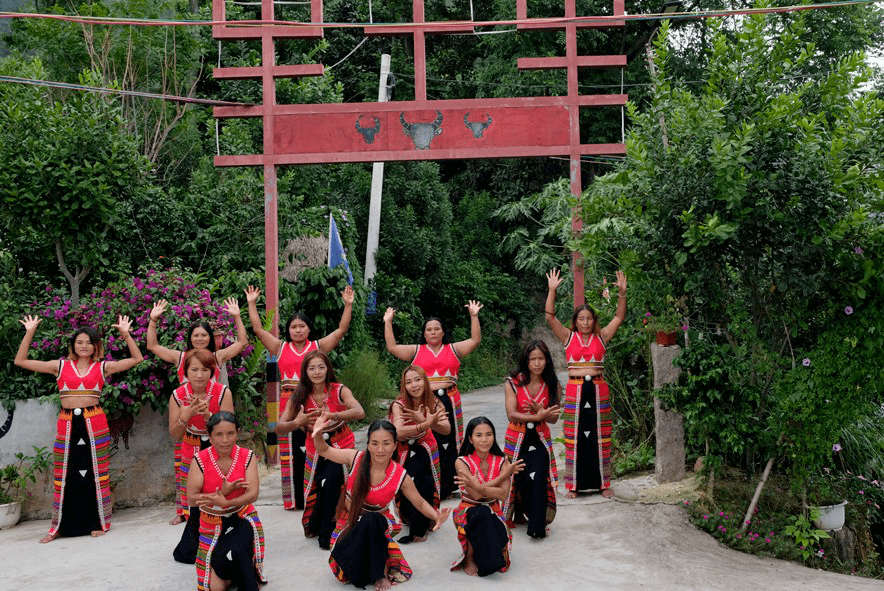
[(388, 315), (30, 323), (467, 480), (415, 416), (348, 295), (252, 294), (321, 422), (436, 417), (124, 324), (158, 309), (552, 413), (474, 306), (621, 282), (553, 279), (231, 306), (215, 499)]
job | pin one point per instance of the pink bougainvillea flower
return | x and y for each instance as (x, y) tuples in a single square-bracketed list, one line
[(848, 310), (767, 540), (705, 517), (836, 447), (806, 362), (861, 492), (860, 476), (858, 250), (684, 326), (739, 537)]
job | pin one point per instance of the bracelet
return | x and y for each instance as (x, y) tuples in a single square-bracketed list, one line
[(550, 313)]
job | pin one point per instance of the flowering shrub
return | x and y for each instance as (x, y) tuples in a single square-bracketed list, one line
[(152, 381)]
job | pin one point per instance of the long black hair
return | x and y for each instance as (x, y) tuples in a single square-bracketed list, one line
[(305, 386), (446, 338), (298, 316), (205, 325), (363, 473), (522, 375), (467, 448)]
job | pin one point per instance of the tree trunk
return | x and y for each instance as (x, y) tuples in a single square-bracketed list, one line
[(74, 279)]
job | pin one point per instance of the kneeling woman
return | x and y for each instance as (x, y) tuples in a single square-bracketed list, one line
[(363, 550), (416, 414), (223, 482), (190, 406), (484, 475)]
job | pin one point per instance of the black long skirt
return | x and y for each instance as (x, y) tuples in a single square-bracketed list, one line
[(185, 551), (329, 480), (361, 553), (299, 458), (447, 450), (588, 475), (234, 555), (531, 486), (80, 510), (419, 466), (488, 536)]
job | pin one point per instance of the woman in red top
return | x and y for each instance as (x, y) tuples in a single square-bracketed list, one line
[(82, 504), (199, 336), (532, 395), (484, 476), (190, 405), (416, 414), (224, 483), (587, 408), (323, 480), (363, 550), (289, 357), (440, 359)]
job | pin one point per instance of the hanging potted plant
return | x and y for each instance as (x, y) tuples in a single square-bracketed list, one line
[(13, 480)]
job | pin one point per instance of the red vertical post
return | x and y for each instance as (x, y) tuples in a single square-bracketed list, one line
[(420, 53), (574, 111), (271, 239)]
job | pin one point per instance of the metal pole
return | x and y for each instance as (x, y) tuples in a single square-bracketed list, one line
[(377, 186)]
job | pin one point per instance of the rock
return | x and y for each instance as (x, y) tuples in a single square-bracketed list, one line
[(669, 425)]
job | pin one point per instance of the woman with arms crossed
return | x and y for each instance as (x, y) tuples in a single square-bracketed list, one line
[(82, 504), (484, 476), (289, 357), (587, 409), (440, 359), (363, 550)]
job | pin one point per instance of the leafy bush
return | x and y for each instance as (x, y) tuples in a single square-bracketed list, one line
[(370, 382)]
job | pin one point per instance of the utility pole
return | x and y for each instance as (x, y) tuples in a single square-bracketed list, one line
[(377, 184)]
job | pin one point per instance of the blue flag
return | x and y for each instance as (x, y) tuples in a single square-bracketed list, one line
[(336, 254)]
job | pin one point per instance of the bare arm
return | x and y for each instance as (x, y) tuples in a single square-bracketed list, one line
[(242, 337), (553, 280), (227, 401), (135, 357), (194, 482), (164, 353), (403, 352), (266, 337), (469, 345), (354, 410), (410, 491), (21, 356), (292, 420), (607, 333), (339, 456), (511, 402), (331, 340)]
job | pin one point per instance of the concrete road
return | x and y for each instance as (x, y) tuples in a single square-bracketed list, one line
[(595, 543)]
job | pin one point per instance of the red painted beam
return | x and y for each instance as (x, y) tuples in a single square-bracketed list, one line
[(290, 71), (234, 32), (560, 63), (589, 100), (411, 155)]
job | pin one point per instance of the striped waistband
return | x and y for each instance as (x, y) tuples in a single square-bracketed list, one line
[(68, 414), (216, 514), (581, 379), (70, 393), (440, 391)]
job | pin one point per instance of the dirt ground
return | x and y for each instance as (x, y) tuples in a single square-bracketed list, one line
[(595, 543)]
